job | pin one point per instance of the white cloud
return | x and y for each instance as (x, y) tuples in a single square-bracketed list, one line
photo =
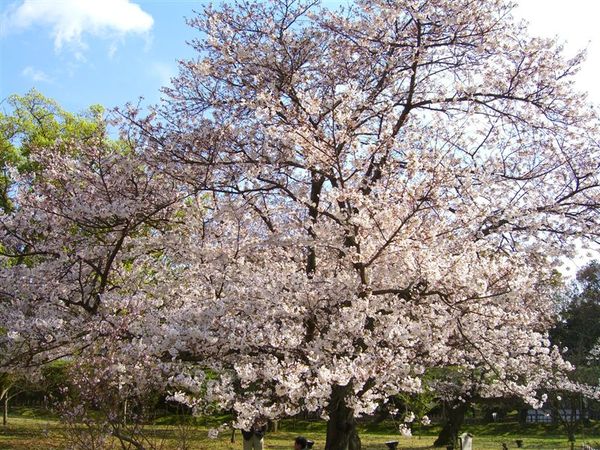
[(36, 75), (70, 19)]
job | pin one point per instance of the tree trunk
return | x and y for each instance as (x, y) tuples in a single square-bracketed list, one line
[(449, 432), (5, 409), (523, 416), (341, 427), (274, 425)]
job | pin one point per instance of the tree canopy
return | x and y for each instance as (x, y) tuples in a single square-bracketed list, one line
[(327, 204)]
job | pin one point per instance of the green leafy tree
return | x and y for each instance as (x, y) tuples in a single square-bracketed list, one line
[(577, 333), (579, 330), (35, 121)]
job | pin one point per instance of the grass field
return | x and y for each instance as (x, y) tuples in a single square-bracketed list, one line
[(28, 431)]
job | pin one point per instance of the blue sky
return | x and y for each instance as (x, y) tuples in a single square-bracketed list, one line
[(82, 52), (107, 54)]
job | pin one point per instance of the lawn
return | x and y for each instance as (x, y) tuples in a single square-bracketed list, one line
[(30, 431)]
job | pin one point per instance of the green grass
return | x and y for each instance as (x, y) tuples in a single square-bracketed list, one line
[(29, 430)]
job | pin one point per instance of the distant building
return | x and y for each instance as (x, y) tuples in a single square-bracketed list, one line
[(546, 416)]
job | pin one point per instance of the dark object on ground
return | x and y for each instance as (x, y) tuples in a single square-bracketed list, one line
[(301, 442), (519, 443), (392, 445)]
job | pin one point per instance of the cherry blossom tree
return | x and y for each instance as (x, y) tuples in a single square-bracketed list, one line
[(33, 124), (82, 249), (88, 257), (328, 204), (391, 186)]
